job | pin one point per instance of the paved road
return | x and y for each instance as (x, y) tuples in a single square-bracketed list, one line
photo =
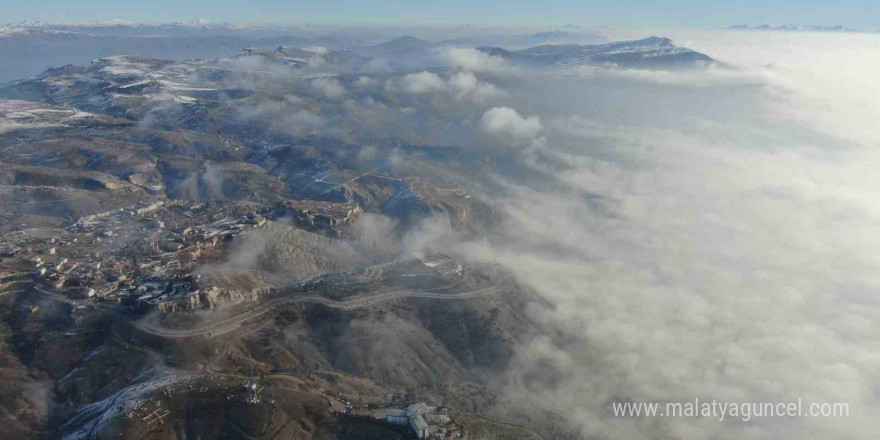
[(232, 323), (63, 298)]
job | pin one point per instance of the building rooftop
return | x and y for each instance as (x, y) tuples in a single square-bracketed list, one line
[(416, 409), (418, 423)]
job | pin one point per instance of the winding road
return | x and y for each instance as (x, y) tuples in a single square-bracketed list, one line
[(232, 323)]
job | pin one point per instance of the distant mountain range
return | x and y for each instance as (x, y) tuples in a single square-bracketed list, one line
[(34, 47), (409, 45), (523, 41), (793, 27), (128, 28)]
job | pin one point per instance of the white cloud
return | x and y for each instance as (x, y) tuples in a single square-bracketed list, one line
[(708, 234), (507, 122), (475, 61), (420, 83), (366, 82), (330, 87), (467, 86), (462, 86)]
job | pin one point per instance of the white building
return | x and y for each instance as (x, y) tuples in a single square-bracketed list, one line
[(419, 425), (417, 415), (416, 419)]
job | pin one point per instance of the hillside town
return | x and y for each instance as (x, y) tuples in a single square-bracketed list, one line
[(145, 255)]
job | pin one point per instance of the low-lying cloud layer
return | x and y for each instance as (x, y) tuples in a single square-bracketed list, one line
[(701, 234), (710, 235)]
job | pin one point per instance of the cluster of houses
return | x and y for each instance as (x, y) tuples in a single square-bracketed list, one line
[(146, 254)]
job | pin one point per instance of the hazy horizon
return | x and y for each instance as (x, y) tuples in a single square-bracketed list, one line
[(328, 232), (627, 13)]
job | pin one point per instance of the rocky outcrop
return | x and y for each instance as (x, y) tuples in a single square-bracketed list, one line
[(216, 298), (212, 299), (319, 216), (190, 302)]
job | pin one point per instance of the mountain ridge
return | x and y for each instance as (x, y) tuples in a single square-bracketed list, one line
[(648, 52)]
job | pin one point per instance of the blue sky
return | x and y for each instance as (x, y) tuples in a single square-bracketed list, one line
[(634, 13)]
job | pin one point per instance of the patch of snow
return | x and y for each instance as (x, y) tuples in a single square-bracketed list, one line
[(95, 416), (135, 84)]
